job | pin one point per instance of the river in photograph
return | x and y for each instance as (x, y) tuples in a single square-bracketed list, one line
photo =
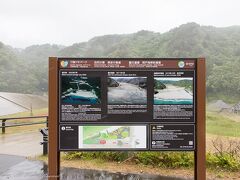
[(172, 101), (81, 97)]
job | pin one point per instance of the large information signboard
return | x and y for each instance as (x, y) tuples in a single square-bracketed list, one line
[(127, 104), (132, 104)]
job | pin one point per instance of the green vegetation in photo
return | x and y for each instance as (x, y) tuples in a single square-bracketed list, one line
[(187, 84), (159, 84), (94, 134), (91, 130)]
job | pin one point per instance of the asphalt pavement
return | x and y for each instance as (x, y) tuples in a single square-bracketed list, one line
[(7, 161)]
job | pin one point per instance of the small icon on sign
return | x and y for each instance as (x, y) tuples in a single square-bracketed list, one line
[(181, 64), (63, 128), (153, 142), (64, 63), (190, 143)]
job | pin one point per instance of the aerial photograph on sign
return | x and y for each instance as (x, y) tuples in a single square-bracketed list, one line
[(173, 90), (81, 90), (115, 137), (127, 90)]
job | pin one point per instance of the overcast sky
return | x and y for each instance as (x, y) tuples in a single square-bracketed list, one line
[(27, 22)]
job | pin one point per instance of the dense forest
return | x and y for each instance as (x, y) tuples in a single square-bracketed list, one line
[(187, 84), (25, 70)]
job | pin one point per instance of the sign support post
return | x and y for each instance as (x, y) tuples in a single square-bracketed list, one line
[(200, 152), (54, 154)]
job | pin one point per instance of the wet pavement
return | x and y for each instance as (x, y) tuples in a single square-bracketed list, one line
[(25, 170), (7, 161), (19, 168), (21, 144)]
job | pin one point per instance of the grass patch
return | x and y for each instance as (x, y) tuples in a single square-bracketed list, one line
[(35, 112), (23, 129), (221, 125), (155, 159), (166, 159), (28, 128)]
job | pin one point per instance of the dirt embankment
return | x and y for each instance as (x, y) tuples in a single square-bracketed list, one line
[(127, 93), (173, 92), (11, 103)]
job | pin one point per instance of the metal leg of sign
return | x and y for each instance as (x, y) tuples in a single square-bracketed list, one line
[(53, 154), (200, 152)]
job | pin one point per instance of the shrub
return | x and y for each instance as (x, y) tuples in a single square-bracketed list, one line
[(222, 161), (216, 160)]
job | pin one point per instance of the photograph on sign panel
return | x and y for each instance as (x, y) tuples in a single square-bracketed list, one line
[(81, 90), (127, 90), (115, 137), (173, 90)]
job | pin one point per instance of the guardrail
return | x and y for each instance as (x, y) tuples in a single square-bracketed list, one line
[(4, 120)]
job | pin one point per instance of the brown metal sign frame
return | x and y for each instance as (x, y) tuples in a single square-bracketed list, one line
[(200, 148)]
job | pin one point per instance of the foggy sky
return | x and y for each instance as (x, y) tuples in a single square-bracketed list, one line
[(27, 22)]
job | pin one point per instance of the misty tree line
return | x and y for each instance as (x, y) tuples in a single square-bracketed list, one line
[(26, 71)]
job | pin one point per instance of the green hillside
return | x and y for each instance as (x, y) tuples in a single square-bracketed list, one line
[(26, 70)]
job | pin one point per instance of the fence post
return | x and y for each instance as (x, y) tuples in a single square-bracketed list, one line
[(45, 140), (45, 145), (3, 126), (46, 121)]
